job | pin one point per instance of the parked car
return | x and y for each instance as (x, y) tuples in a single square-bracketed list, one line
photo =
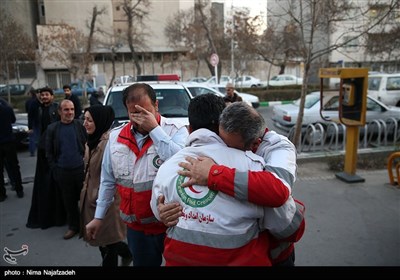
[(77, 89), (199, 89), (20, 130), (385, 88), (197, 79), (250, 99), (285, 116), (15, 89), (173, 100), (223, 80), (283, 80), (247, 81)]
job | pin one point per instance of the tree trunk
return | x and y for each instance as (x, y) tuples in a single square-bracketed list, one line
[(304, 90)]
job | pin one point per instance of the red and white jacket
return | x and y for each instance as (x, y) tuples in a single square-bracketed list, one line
[(216, 229), (132, 170), (271, 189)]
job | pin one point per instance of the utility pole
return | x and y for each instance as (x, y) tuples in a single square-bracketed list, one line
[(232, 43)]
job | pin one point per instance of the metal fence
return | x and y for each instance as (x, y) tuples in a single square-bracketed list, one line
[(332, 136)]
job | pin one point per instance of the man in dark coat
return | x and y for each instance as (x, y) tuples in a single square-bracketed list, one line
[(8, 151), (74, 99), (47, 208)]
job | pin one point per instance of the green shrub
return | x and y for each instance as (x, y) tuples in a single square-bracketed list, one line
[(278, 93)]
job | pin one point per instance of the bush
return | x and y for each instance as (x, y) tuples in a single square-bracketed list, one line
[(278, 93)]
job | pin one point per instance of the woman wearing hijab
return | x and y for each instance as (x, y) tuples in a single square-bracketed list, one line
[(97, 122)]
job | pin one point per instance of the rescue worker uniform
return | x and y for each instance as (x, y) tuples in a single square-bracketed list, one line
[(214, 224), (130, 164), (270, 188)]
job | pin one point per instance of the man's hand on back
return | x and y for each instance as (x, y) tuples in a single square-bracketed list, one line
[(197, 170), (169, 213)]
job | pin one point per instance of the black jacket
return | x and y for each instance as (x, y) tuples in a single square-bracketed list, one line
[(52, 147), (77, 105)]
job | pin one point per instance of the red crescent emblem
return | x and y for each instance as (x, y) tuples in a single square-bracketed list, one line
[(193, 190)]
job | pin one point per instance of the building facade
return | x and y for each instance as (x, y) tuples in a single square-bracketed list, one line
[(155, 55)]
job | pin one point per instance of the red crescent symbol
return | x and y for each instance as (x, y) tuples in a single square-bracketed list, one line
[(193, 190)]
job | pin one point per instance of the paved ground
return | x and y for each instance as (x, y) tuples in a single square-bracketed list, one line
[(347, 224)]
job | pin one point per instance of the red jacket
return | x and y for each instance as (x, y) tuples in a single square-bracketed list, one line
[(263, 189)]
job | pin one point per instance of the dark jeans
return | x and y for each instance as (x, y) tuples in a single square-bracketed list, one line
[(8, 153), (288, 262), (110, 253), (33, 139), (146, 249), (70, 182)]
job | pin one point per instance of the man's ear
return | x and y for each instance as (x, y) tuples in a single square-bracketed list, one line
[(255, 144), (156, 105)]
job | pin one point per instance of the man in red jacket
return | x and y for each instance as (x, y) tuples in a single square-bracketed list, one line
[(268, 188)]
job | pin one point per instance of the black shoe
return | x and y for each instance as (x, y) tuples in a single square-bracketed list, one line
[(3, 197), (30, 225), (20, 194), (126, 261)]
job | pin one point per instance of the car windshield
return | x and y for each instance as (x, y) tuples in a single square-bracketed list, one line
[(195, 91), (311, 99), (171, 103)]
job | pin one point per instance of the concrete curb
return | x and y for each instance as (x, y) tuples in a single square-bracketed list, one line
[(273, 103)]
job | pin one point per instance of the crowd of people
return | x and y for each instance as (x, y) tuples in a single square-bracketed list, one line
[(155, 189)]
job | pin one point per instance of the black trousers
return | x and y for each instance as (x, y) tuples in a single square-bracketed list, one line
[(70, 182), (287, 262), (8, 153), (110, 253)]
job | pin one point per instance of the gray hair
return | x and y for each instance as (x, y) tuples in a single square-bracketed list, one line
[(240, 118)]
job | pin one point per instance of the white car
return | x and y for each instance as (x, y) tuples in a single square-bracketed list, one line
[(250, 99), (199, 89), (173, 100), (223, 80), (247, 81), (197, 80), (283, 80), (285, 116), (385, 88)]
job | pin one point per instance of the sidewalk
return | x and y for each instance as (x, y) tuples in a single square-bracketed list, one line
[(349, 224), (346, 224)]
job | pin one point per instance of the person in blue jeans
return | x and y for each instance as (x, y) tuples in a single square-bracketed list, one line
[(33, 124)]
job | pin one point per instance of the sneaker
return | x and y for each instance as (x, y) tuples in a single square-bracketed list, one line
[(126, 261), (20, 194), (3, 197)]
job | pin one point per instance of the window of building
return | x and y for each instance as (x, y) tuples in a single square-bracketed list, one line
[(352, 43), (377, 10), (42, 10)]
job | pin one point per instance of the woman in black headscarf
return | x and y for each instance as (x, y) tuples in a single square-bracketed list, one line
[(98, 120)]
